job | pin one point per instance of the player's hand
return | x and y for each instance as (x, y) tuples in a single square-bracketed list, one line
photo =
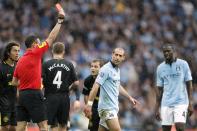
[(77, 105), (61, 13), (190, 110), (157, 114), (88, 111), (134, 101)]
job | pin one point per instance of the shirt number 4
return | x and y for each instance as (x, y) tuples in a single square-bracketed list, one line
[(57, 80)]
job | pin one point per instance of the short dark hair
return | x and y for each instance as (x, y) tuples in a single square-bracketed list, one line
[(8, 49), (30, 40), (168, 45), (101, 62), (58, 48)]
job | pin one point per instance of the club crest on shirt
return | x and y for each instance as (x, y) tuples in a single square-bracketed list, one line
[(178, 68), (5, 119), (9, 75)]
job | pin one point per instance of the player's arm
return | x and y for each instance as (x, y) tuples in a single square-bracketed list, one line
[(86, 99), (86, 91), (15, 81), (189, 87), (53, 34), (125, 93), (93, 93), (75, 87), (159, 94), (189, 92)]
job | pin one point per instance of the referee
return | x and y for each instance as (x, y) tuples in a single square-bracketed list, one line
[(27, 76), (88, 83)]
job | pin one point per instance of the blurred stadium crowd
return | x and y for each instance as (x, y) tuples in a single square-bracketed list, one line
[(96, 26)]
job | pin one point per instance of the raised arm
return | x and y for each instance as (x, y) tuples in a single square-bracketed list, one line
[(53, 34)]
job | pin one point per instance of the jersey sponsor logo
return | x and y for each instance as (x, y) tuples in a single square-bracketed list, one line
[(59, 65), (43, 44)]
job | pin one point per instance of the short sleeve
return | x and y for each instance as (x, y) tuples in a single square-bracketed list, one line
[(187, 76), (41, 49), (86, 89), (102, 76), (159, 80)]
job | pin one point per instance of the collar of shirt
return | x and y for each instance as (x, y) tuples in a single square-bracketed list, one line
[(114, 66), (170, 62)]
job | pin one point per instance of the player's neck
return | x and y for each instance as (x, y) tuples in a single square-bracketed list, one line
[(10, 62), (57, 56)]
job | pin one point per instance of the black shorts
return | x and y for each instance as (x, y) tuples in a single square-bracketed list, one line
[(94, 121), (8, 118), (58, 107), (31, 106)]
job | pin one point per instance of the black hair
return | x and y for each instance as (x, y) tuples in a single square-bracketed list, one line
[(30, 40), (168, 45), (8, 49)]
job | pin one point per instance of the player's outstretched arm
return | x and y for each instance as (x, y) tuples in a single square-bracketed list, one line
[(125, 93), (53, 34)]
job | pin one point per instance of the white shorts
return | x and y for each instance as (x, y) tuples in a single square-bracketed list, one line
[(174, 114), (106, 115)]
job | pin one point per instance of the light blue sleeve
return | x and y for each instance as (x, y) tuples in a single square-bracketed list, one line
[(102, 76), (188, 76), (159, 80)]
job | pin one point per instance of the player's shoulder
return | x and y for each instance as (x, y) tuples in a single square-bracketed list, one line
[(88, 78), (181, 61), (106, 67), (67, 62), (48, 62), (161, 65)]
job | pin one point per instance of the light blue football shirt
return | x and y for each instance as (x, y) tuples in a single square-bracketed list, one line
[(172, 78), (109, 80)]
